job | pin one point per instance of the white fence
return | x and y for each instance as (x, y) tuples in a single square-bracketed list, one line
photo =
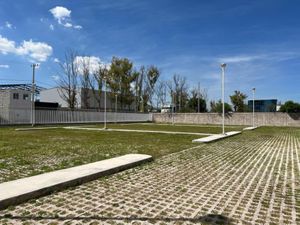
[(23, 116)]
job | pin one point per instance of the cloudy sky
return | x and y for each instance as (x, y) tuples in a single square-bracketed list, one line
[(259, 40)]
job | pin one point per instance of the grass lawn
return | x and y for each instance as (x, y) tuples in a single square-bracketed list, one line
[(25, 153), (252, 178), (210, 129)]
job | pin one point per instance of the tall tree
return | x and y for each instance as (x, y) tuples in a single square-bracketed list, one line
[(178, 90), (290, 107), (120, 78), (193, 101), (217, 107), (146, 79), (160, 92), (68, 81), (237, 100), (97, 82), (84, 64)]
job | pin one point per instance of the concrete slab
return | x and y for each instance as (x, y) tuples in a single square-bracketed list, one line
[(138, 131), (249, 128), (216, 137), (18, 191)]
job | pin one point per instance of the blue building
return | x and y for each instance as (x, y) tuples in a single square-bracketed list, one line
[(266, 105)]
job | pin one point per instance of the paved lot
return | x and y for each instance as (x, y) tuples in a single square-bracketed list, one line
[(252, 178)]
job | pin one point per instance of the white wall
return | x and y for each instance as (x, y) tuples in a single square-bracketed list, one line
[(52, 95)]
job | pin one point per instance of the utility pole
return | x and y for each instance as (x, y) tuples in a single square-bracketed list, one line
[(34, 65), (198, 97)]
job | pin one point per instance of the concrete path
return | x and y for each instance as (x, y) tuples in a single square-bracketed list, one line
[(139, 131), (249, 128), (216, 137), (36, 128), (17, 191)]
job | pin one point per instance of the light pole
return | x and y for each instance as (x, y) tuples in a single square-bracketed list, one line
[(223, 65), (198, 97), (32, 94), (253, 92), (105, 89), (116, 107)]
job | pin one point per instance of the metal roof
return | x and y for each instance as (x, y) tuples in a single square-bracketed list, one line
[(26, 87)]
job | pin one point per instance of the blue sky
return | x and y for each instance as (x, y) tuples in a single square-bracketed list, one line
[(259, 40)]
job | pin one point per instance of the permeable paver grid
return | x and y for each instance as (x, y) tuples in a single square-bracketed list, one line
[(251, 178)]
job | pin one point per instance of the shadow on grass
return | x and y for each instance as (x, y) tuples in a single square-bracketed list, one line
[(209, 219)]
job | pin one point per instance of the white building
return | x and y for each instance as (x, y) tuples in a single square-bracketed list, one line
[(54, 95), (15, 102)]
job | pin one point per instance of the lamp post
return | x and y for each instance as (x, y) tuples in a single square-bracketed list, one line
[(198, 97), (32, 94), (253, 92), (116, 107), (105, 89), (223, 65)]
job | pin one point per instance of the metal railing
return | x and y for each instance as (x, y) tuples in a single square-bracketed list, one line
[(64, 116)]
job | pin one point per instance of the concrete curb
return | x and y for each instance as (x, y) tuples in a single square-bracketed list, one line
[(18, 191), (249, 128), (216, 137)]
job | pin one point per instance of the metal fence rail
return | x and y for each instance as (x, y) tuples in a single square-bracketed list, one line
[(23, 116)]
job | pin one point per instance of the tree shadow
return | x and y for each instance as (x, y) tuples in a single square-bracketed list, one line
[(209, 219), (294, 116)]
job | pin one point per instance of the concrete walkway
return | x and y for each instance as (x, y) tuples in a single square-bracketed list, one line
[(216, 137), (17, 191), (36, 128), (249, 128), (138, 131)]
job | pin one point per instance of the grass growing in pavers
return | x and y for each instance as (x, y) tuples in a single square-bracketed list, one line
[(25, 153), (253, 178), (169, 127)]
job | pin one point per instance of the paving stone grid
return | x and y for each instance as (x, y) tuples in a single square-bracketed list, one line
[(252, 178)]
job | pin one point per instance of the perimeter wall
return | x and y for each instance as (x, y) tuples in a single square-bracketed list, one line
[(261, 119)]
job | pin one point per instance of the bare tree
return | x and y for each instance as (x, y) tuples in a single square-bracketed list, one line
[(160, 92), (178, 90), (85, 78), (97, 82), (146, 79), (68, 82)]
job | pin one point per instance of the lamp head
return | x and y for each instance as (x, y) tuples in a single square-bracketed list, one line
[(223, 65), (253, 89)]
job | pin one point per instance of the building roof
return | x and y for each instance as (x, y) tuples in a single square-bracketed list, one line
[(25, 87)]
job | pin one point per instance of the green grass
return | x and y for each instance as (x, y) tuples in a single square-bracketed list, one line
[(210, 129), (25, 153)]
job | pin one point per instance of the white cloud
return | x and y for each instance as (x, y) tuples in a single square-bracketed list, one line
[(63, 17), (4, 66), (238, 59), (92, 62), (38, 51), (60, 13), (78, 27), (8, 25), (51, 27), (67, 25), (55, 77), (56, 60)]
